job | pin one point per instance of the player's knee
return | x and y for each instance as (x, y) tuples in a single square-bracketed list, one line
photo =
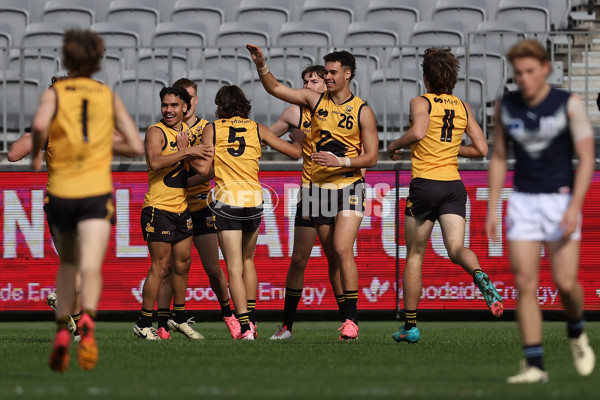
[(526, 283), (566, 286), (298, 262)]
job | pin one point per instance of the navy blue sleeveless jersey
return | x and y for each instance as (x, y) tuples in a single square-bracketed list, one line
[(542, 142)]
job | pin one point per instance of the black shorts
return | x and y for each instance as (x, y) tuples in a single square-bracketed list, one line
[(326, 204), (164, 226), (204, 222), (231, 218), (428, 199), (63, 215), (303, 219)]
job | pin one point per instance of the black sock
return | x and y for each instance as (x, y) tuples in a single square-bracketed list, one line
[(145, 319), (163, 316), (179, 313), (534, 355), (62, 323), (575, 328), (477, 272), (225, 308), (251, 305), (340, 300), (76, 318), (244, 320), (410, 319), (350, 305), (292, 298)]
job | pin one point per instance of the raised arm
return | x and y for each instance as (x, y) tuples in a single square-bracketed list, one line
[(20, 148), (289, 118), (478, 147), (41, 123), (496, 173), (302, 97), (419, 115), (127, 142), (293, 150), (583, 140)]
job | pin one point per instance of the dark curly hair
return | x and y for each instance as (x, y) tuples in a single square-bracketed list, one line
[(232, 102), (345, 58), (440, 68), (179, 92), (82, 52)]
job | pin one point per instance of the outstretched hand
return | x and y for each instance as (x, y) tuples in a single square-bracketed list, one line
[(257, 55)]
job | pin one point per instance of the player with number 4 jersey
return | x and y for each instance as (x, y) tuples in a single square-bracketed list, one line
[(438, 121)]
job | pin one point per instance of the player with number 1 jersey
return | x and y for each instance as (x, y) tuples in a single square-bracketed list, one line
[(438, 121)]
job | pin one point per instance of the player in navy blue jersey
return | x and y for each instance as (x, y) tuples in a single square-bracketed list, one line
[(547, 127)]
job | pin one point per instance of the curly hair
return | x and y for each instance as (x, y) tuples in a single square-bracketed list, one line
[(440, 68), (232, 102), (345, 58), (179, 92), (82, 52)]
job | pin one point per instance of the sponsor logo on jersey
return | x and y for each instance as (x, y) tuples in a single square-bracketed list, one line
[(189, 223), (149, 228)]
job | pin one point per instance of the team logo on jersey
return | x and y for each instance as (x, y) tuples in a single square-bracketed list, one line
[(323, 113), (349, 109), (149, 228), (516, 128), (306, 124), (353, 199), (189, 224), (210, 221)]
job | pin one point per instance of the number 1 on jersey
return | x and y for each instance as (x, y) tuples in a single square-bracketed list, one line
[(84, 120), (448, 125)]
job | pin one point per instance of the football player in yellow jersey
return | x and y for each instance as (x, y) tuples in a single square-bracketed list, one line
[(305, 232), (438, 120), (77, 117), (205, 235), (237, 197), (345, 141), (166, 221)]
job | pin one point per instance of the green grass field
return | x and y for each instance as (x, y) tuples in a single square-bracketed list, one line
[(453, 361)]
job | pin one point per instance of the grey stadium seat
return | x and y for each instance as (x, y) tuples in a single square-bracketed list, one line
[(140, 95), (143, 12), (271, 12), (5, 42), (534, 13), (181, 38), (238, 34), (312, 37), (10, 85), (47, 65), (47, 36), (288, 64), (210, 13), (15, 14), (175, 65), (338, 13), (475, 98), (405, 14), (431, 33), (209, 83), (409, 59), (391, 99), (120, 39), (489, 66), (79, 12), (265, 108), (499, 36), (237, 62), (469, 12), (372, 33), (366, 64)]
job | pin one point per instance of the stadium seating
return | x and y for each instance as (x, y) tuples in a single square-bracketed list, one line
[(47, 36), (15, 14), (207, 12), (498, 36), (470, 13), (237, 61), (270, 12), (309, 36), (338, 13), (11, 86), (180, 38), (78, 12), (534, 13), (120, 39), (140, 95), (175, 65), (46, 64), (404, 14), (391, 97), (238, 34), (288, 64), (431, 33), (209, 83), (5, 42), (143, 12), (474, 97), (265, 108)]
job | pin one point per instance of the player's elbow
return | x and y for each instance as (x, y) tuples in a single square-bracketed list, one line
[(12, 156), (371, 160), (483, 149)]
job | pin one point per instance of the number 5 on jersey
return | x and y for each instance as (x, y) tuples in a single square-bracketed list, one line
[(233, 138)]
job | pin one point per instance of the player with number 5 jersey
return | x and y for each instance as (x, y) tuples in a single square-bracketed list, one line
[(438, 121)]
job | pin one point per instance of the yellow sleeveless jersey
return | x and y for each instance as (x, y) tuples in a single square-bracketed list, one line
[(237, 151), (167, 187), (435, 156), (307, 143), (336, 128), (197, 195), (79, 149)]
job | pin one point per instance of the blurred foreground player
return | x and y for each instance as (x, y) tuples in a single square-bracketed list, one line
[(76, 118), (547, 127)]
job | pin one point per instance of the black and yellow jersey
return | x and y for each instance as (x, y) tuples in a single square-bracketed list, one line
[(435, 156), (237, 151), (336, 128), (307, 144), (197, 195), (79, 151), (167, 186)]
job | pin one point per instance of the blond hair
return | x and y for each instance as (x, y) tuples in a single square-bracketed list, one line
[(528, 48)]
